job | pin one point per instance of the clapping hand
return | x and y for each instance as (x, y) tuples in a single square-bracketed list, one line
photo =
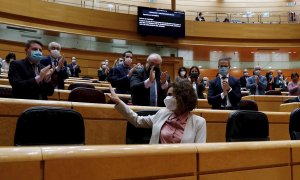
[(199, 79), (44, 72), (113, 96), (61, 62), (152, 74), (163, 77), (132, 70), (256, 79), (226, 87), (49, 74)]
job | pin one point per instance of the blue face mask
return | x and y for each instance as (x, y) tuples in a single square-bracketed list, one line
[(223, 71), (36, 56), (270, 76)]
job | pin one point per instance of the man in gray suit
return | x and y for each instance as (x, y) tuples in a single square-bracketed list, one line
[(257, 83)]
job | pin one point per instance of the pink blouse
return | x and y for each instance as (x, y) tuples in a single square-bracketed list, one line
[(173, 129), (293, 89)]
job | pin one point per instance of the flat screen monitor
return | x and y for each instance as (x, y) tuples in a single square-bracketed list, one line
[(161, 22)]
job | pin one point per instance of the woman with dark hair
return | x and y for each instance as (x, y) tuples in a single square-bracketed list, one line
[(5, 63), (173, 124), (197, 81), (270, 81), (293, 86), (182, 74)]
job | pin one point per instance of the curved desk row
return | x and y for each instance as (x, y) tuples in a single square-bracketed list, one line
[(225, 161), (104, 125)]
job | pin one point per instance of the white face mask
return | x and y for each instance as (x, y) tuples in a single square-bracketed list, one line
[(170, 103), (182, 73), (55, 53)]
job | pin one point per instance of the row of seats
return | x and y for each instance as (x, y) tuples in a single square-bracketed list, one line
[(99, 118), (56, 125)]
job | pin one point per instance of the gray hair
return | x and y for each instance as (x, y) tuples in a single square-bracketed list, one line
[(257, 67), (53, 44), (154, 56), (225, 59)]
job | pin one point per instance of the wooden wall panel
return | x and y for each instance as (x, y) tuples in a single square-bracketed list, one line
[(107, 24)]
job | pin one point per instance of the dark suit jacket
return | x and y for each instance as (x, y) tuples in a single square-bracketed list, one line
[(22, 79), (119, 78), (215, 90), (101, 75), (295, 99), (57, 77), (200, 88), (243, 81), (74, 72), (141, 95)]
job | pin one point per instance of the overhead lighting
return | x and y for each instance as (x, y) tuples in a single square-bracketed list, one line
[(234, 67), (294, 52), (270, 67), (289, 52), (273, 52), (199, 66), (252, 52)]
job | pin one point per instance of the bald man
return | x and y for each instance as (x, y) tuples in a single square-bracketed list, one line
[(149, 85)]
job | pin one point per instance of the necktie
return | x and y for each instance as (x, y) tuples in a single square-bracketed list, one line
[(153, 94), (224, 101), (55, 63)]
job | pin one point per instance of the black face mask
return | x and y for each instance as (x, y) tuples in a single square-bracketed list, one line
[(156, 69), (194, 75)]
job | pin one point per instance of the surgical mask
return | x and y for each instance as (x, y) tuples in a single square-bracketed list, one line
[(223, 71), (170, 102), (104, 66), (245, 74), (182, 73), (128, 61), (73, 61), (55, 53), (257, 72), (204, 82), (270, 76), (106, 62), (36, 56), (281, 78)]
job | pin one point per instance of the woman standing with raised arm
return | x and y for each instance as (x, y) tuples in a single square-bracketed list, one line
[(173, 124)]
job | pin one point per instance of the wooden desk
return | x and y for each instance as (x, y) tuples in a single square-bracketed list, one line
[(268, 102), (120, 162), (21, 163), (104, 125), (289, 107)]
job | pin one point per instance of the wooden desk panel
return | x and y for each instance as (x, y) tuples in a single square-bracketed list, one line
[(242, 156), (21, 163), (278, 173), (289, 107), (120, 162), (268, 102)]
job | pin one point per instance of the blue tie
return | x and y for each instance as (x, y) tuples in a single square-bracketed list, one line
[(153, 94)]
